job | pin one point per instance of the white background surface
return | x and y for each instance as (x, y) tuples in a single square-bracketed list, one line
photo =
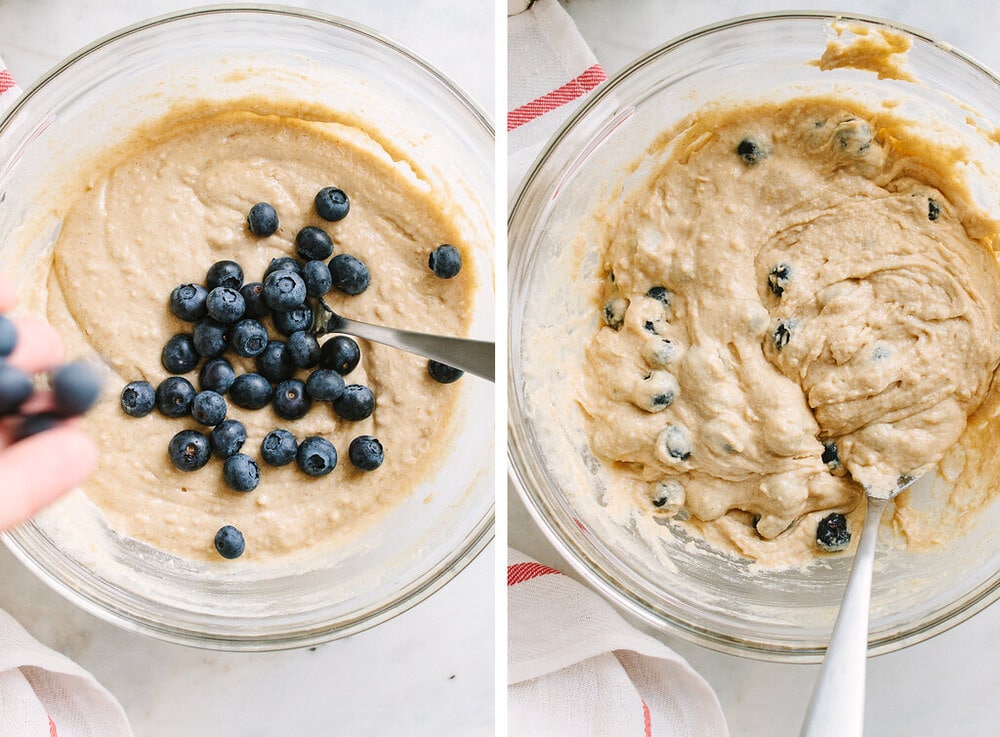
[(429, 672), (945, 687)]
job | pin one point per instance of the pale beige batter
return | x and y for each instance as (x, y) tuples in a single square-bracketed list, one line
[(170, 203), (817, 277)]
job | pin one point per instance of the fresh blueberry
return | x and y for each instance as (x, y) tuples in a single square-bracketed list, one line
[(224, 274), (75, 388), (241, 472), (674, 443), (278, 448), (366, 452), (180, 355), (668, 495), (248, 338), (188, 302), (355, 403), (174, 396), (312, 243), (783, 332), (658, 353), (250, 391), (208, 408), (933, 209), (751, 151), (284, 290), (316, 275), (34, 424), (210, 337), (660, 294), (275, 362), (262, 219), (443, 373), (189, 450), (663, 400), (216, 375), (341, 354), (445, 261), (831, 456), (292, 321), (8, 336), (853, 136), (227, 438), (253, 298), (778, 278), (225, 304), (15, 389), (229, 542), (332, 204), (316, 456), (349, 274), (283, 263), (304, 349), (832, 533), (291, 402), (325, 385), (138, 398), (657, 391)]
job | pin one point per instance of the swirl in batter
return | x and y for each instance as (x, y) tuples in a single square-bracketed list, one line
[(799, 305)]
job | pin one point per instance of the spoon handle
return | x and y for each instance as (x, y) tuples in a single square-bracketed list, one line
[(837, 707), (473, 356)]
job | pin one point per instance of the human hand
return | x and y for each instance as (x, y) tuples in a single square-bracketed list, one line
[(37, 470)]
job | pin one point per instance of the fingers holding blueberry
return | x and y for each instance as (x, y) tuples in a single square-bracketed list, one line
[(32, 421)]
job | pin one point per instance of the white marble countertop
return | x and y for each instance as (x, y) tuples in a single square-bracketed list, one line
[(945, 686), (430, 671)]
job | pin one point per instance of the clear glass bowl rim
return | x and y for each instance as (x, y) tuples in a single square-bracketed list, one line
[(260, 8)]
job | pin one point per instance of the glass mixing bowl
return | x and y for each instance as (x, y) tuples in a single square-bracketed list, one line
[(134, 76), (672, 584)]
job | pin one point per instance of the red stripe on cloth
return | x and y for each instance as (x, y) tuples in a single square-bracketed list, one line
[(567, 93), (52, 728), (6, 81), (521, 572), (647, 720)]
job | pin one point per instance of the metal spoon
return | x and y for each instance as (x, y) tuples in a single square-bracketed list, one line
[(473, 356), (837, 707)]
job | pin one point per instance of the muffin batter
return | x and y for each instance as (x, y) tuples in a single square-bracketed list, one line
[(799, 304), (173, 201)]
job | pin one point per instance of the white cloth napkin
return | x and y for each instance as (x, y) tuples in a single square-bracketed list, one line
[(575, 668), (43, 693), (550, 69)]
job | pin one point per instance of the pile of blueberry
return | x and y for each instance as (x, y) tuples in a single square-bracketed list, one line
[(74, 386), (227, 314)]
